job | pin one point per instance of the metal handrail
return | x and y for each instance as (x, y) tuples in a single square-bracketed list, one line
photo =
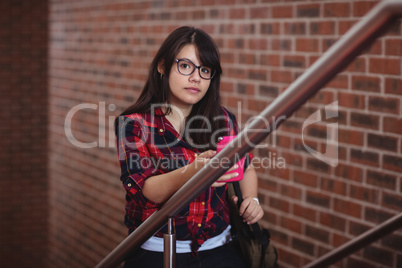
[(357, 243), (337, 57)]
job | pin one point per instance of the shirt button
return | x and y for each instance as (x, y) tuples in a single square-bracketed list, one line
[(199, 225), (195, 155), (129, 185), (203, 203), (160, 130)]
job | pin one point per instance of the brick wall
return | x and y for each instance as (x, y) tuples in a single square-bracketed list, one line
[(23, 133), (99, 55)]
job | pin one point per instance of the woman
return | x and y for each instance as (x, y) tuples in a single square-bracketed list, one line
[(165, 138)]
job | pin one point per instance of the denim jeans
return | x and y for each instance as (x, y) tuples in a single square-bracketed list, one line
[(221, 257)]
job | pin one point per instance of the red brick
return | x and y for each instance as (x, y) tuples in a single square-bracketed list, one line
[(392, 201), (366, 83), (381, 179), (393, 86), (376, 215), (307, 45), (227, 87), (385, 66), (305, 212), (357, 65), (281, 44), (351, 100), (364, 157), (322, 28), (300, 145), (295, 28), (392, 125), (270, 28), (235, 73), (260, 13), (257, 74), (294, 61), (279, 204), (339, 240), (268, 91), (305, 178), (318, 199), (391, 162), (356, 228), (303, 245), (270, 185), (247, 58), (365, 120), (291, 224), (227, 58), (281, 76), (289, 255), (333, 186), (290, 191), (270, 60), (333, 221), (237, 13), (393, 47), (237, 43), (387, 143), (278, 171), (282, 11), (247, 89), (309, 11), (245, 29), (364, 194), (258, 44), (256, 105), (350, 172), (344, 26), (348, 207), (361, 8), (317, 233), (337, 10), (267, 184)]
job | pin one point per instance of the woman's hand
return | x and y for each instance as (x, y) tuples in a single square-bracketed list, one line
[(249, 209), (221, 181), (203, 158)]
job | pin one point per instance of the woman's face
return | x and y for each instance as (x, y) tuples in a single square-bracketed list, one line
[(187, 90)]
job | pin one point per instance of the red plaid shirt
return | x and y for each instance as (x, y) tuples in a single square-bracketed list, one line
[(149, 145)]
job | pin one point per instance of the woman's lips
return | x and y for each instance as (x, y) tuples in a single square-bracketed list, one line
[(192, 89)]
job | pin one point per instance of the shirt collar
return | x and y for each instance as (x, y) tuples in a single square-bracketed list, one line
[(165, 128), (163, 124)]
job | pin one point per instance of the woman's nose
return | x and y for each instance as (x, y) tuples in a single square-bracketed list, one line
[(195, 76)]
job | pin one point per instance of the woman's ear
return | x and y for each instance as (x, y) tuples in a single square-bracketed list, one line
[(161, 68)]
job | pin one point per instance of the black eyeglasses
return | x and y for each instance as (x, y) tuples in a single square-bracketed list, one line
[(186, 67)]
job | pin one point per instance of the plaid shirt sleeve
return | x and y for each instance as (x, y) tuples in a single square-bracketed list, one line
[(135, 161)]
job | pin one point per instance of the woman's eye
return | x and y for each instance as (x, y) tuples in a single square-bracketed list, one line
[(205, 70), (185, 65)]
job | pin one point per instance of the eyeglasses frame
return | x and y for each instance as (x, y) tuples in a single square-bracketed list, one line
[(196, 67)]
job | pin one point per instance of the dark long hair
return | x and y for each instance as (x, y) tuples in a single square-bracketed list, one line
[(157, 91)]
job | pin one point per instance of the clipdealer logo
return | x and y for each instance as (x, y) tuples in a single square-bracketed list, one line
[(106, 131), (331, 142)]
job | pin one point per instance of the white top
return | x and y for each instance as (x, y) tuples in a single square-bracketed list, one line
[(183, 246)]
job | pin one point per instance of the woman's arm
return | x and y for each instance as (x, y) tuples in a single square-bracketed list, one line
[(160, 188)]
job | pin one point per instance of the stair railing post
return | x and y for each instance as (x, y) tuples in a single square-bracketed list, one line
[(169, 247)]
